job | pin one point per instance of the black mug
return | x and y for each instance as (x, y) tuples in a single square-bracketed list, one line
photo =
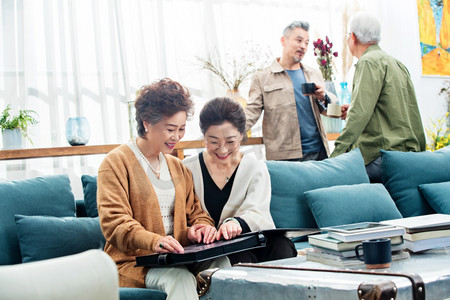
[(308, 88), (377, 253)]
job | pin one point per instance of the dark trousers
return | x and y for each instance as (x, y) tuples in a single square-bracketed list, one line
[(321, 155), (277, 247), (373, 169)]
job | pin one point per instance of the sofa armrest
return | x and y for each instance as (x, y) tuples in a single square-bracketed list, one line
[(88, 275)]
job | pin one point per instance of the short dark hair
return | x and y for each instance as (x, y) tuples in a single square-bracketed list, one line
[(163, 98), (219, 110)]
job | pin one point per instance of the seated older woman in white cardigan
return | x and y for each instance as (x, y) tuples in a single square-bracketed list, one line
[(234, 188)]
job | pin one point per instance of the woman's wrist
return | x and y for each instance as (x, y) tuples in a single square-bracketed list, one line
[(232, 220)]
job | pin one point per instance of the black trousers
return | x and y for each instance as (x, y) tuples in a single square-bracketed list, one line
[(277, 247)]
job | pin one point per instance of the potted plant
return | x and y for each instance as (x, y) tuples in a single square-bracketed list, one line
[(15, 127)]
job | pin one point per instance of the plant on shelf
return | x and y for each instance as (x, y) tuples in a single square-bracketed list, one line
[(233, 71), (20, 122), (439, 134), (322, 49)]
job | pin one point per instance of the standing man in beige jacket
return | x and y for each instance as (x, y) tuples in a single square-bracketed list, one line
[(292, 126)]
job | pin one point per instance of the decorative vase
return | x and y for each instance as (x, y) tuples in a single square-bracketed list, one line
[(12, 139), (332, 125), (77, 131), (234, 94), (330, 87)]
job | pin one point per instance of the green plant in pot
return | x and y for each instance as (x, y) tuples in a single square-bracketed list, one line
[(14, 127)]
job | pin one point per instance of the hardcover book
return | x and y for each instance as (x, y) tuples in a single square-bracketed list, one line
[(363, 231), (202, 252), (339, 261), (325, 241), (422, 223), (418, 236), (427, 244), (351, 252)]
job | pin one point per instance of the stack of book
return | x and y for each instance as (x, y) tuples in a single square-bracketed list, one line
[(424, 232), (336, 247)]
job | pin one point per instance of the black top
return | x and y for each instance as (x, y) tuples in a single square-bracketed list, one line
[(216, 198)]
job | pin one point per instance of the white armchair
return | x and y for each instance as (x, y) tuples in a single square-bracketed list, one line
[(87, 275)]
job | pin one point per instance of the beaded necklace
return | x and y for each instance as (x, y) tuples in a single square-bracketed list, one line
[(146, 160)]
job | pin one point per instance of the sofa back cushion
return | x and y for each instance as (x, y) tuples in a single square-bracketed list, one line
[(89, 184), (290, 180), (48, 195), (347, 204), (45, 237), (403, 172)]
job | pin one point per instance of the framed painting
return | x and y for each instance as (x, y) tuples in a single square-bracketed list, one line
[(434, 29)]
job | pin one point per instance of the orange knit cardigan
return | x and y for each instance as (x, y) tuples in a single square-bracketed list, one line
[(129, 211)]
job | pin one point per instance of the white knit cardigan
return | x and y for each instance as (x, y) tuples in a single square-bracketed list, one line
[(250, 195)]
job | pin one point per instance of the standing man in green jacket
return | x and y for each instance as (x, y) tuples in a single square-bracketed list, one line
[(383, 113)]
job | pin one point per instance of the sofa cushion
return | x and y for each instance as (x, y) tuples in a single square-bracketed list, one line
[(44, 237), (290, 180), (89, 184), (48, 195), (348, 204), (437, 195), (403, 172)]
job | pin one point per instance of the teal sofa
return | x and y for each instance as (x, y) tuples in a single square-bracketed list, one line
[(41, 220), (39, 217), (337, 191)]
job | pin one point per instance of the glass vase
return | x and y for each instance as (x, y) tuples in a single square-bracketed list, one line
[(77, 131)]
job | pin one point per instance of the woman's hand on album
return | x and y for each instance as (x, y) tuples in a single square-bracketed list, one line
[(229, 230), (168, 244), (202, 233)]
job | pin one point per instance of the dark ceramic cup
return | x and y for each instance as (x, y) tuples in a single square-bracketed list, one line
[(308, 88), (377, 253)]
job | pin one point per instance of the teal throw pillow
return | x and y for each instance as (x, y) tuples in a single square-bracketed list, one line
[(47, 195), (44, 237), (403, 172), (89, 184), (348, 204), (290, 180), (437, 195)]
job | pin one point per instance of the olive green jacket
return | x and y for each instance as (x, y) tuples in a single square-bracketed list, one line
[(383, 113)]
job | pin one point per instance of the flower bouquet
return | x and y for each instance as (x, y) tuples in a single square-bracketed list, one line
[(325, 57)]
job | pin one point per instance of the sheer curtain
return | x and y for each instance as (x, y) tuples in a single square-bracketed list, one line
[(67, 58), (88, 57)]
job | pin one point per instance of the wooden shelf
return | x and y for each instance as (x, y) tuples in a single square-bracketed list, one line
[(98, 149), (103, 149)]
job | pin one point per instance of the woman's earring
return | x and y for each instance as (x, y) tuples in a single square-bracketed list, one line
[(146, 129)]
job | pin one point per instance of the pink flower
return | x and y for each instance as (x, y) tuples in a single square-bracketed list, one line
[(326, 37), (335, 54), (324, 62)]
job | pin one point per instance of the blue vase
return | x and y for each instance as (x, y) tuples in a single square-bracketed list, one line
[(77, 131), (345, 96)]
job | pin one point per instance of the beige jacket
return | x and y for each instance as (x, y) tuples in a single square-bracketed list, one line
[(272, 90), (129, 211)]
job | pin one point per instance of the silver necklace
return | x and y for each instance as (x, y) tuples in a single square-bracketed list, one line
[(145, 159)]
